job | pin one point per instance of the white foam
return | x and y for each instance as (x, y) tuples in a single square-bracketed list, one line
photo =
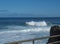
[(19, 34), (46, 29), (40, 23)]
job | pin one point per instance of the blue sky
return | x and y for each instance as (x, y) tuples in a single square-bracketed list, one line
[(29, 8)]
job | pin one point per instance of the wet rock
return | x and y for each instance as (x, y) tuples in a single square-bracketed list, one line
[(55, 30)]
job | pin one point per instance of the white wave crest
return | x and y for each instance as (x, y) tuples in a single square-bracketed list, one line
[(40, 23)]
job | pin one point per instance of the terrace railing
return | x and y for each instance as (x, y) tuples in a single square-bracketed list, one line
[(33, 40)]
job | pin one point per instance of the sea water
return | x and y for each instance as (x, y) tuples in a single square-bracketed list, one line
[(15, 29)]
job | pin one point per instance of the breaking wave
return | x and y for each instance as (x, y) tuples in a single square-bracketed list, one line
[(40, 23)]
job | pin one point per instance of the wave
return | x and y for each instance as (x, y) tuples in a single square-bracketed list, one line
[(40, 23), (33, 30), (13, 33)]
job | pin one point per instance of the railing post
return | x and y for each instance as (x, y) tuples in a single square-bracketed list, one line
[(33, 42)]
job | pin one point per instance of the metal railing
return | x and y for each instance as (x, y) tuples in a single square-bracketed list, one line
[(33, 40)]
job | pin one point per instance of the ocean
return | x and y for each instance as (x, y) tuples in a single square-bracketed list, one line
[(24, 28)]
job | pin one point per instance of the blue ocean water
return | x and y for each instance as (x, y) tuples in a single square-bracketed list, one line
[(15, 29)]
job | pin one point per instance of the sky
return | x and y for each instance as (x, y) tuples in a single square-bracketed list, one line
[(29, 8)]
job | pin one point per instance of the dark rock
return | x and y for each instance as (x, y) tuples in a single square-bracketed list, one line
[(55, 30)]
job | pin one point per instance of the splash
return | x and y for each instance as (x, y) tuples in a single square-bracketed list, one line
[(40, 23)]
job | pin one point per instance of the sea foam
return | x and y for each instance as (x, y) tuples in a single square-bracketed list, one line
[(27, 30), (34, 23)]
